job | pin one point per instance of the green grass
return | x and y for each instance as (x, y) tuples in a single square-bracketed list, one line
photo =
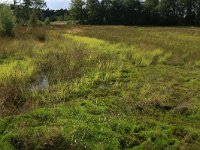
[(100, 87)]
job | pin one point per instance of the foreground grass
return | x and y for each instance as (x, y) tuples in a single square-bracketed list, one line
[(100, 88)]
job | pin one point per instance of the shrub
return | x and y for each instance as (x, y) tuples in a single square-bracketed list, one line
[(7, 22), (47, 21), (12, 97), (33, 21)]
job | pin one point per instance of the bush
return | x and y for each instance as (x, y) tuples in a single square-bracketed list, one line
[(12, 97), (47, 21), (33, 21), (7, 23)]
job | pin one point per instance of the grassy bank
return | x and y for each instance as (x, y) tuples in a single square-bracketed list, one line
[(100, 87)]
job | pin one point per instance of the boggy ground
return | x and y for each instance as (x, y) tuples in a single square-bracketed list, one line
[(100, 87)]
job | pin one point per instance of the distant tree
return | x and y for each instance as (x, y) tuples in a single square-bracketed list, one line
[(106, 6), (29, 8), (93, 11), (38, 4), (151, 9), (137, 12), (197, 12), (7, 22), (190, 7), (169, 11), (55, 15), (77, 10), (33, 21), (151, 3), (26, 11), (117, 12), (132, 12)]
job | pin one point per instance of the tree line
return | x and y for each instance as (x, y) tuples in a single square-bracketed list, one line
[(102, 12), (25, 10), (136, 12), (55, 15), (113, 12), (20, 12)]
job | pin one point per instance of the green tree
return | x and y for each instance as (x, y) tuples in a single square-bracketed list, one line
[(117, 12), (27, 9), (93, 11), (106, 6), (77, 11), (33, 21), (197, 12), (38, 4), (132, 12), (7, 21), (190, 7), (137, 12), (151, 3), (151, 9), (169, 11)]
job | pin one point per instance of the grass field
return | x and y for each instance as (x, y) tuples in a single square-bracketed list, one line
[(100, 87)]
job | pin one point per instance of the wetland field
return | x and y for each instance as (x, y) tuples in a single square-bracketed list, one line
[(100, 87)]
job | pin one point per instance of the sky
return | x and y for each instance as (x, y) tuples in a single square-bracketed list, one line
[(51, 4), (57, 4)]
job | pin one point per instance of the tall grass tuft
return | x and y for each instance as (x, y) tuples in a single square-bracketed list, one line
[(13, 97)]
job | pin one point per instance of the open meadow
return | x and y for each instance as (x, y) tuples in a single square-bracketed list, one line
[(100, 87)]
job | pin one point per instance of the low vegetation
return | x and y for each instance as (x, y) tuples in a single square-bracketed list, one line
[(100, 87)]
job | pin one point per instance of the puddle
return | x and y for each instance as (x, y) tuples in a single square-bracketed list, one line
[(43, 84)]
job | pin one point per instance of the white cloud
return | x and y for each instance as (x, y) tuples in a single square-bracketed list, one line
[(52, 4), (57, 4), (6, 1)]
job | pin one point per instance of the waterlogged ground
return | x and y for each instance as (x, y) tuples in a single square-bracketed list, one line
[(100, 87)]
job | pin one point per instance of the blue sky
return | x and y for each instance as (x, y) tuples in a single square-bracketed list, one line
[(57, 4)]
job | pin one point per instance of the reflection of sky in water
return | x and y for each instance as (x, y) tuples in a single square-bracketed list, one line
[(41, 84), (44, 83), (52, 4)]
